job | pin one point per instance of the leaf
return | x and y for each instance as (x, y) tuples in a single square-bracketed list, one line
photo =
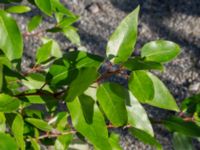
[(162, 97), (140, 64), (1, 76), (179, 125), (7, 142), (72, 35), (114, 140), (145, 138), (182, 142), (112, 97), (45, 6), (2, 122), (122, 41), (81, 82), (34, 23), (40, 124), (8, 103), (35, 145), (137, 116), (96, 132), (67, 21), (141, 85), (62, 142), (5, 61), (11, 42), (18, 9), (160, 51), (18, 130)]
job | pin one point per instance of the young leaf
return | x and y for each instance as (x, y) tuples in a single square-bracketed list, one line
[(137, 116), (40, 124), (182, 142), (18, 9), (179, 125), (112, 97), (141, 85), (11, 43), (72, 35), (140, 64), (62, 142), (96, 132), (67, 21), (160, 51), (45, 6), (78, 85), (8, 103), (162, 97), (114, 140), (7, 142), (18, 130), (122, 41), (145, 138), (2, 122), (34, 23)]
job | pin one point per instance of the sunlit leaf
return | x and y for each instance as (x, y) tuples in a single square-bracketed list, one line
[(8, 103), (18, 9), (34, 23), (40, 124), (7, 142), (45, 6)]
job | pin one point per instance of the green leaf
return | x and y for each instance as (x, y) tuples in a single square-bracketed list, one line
[(182, 142), (18, 9), (137, 116), (62, 142), (122, 41), (7, 142), (34, 23), (45, 6), (11, 42), (112, 97), (18, 130), (72, 35), (160, 51), (67, 21), (141, 64), (2, 122), (96, 132), (145, 138), (8, 103), (40, 124), (141, 85), (162, 97), (1, 76), (81, 82), (34, 144), (179, 125), (114, 140)]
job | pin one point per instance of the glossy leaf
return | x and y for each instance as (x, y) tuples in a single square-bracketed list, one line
[(7, 142), (160, 51), (162, 97), (11, 42), (45, 6), (96, 132), (62, 142), (8, 103), (18, 9), (141, 85), (179, 125), (182, 142), (2, 122), (122, 41), (67, 21), (114, 140), (40, 124), (34, 23), (78, 85), (137, 116), (140, 64), (112, 97), (72, 35), (18, 130), (146, 138)]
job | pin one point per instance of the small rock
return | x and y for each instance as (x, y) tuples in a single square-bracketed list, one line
[(194, 87), (93, 8)]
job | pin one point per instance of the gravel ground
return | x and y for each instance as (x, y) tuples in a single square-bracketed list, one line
[(175, 20)]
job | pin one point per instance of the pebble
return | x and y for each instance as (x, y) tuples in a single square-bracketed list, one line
[(93, 8), (195, 87)]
